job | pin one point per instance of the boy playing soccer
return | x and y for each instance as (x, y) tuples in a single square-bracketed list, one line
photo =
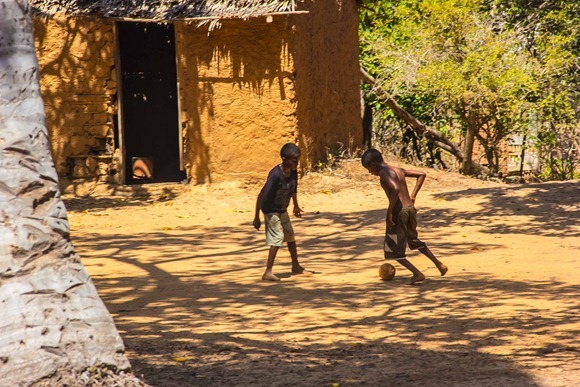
[(273, 200), (401, 215)]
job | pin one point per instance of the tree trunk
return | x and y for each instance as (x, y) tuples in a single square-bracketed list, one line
[(367, 124), (523, 155), (467, 163), (53, 321)]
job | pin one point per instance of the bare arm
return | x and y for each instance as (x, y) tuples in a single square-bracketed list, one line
[(297, 209), (420, 179), (257, 222), (392, 188), (266, 192)]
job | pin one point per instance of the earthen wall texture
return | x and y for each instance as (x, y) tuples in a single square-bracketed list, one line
[(237, 97), (250, 86), (245, 88), (78, 84), (326, 51)]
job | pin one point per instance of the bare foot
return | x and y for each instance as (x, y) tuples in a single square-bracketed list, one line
[(442, 269), (270, 277), (297, 269), (416, 278)]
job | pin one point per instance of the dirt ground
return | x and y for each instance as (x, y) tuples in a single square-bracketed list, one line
[(179, 268)]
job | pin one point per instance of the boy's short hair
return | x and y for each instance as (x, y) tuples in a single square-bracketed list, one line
[(290, 150), (370, 156)]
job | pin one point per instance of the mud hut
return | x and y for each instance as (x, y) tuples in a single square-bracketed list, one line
[(139, 91)]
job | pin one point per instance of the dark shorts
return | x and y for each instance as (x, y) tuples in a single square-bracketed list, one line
[(404, 233)]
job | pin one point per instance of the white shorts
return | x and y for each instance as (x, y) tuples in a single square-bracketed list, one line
[(278, 229)]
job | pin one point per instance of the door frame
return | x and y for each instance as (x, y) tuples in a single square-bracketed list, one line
[(120, 114)]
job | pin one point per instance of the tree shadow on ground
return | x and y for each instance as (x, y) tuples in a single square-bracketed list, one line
[(124, 196), (554, 208), (220, 327)]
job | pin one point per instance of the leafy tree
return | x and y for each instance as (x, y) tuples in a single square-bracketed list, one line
[(462, 67), (550, 32)]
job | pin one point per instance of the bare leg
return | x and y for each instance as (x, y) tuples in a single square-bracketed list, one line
[(417, 275), (296, 268), (442, 268), (268, 275)]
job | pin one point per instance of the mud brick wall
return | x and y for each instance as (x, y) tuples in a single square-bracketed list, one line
[(237, 97), (325, 51), (245, 89), (78, 83), (250, 86)]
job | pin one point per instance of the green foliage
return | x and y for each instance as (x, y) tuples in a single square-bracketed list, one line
[(456, 64), (550, 32)]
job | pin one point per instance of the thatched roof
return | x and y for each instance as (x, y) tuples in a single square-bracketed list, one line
[(164, 9)]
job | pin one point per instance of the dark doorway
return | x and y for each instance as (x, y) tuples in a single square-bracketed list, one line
[(149, 103)]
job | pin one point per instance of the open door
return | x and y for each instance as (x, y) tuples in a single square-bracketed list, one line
[(149, 103)]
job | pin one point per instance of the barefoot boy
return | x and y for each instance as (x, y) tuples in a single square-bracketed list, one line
[(401, 215), (273, 200)]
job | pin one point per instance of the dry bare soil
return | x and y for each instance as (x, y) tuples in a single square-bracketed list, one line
[(179, 268)]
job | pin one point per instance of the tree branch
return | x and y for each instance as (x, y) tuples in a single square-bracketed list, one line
[(434, 136)]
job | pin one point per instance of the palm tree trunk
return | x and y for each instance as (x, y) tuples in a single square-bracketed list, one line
[(53, 321)]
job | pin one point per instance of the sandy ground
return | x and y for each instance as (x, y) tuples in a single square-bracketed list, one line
[(179, 268)]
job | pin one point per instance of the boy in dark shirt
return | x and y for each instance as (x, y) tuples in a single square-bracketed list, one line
[(273, 200), (401, 214)]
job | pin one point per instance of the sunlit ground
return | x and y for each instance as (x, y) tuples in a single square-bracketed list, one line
[(181, 277)]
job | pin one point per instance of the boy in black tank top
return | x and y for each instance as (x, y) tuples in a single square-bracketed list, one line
[(273, 200)]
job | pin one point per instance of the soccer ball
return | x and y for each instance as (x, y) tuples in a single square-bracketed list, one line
[(386, 271)]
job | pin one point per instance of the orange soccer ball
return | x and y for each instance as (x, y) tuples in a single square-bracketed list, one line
[(387, 271)]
